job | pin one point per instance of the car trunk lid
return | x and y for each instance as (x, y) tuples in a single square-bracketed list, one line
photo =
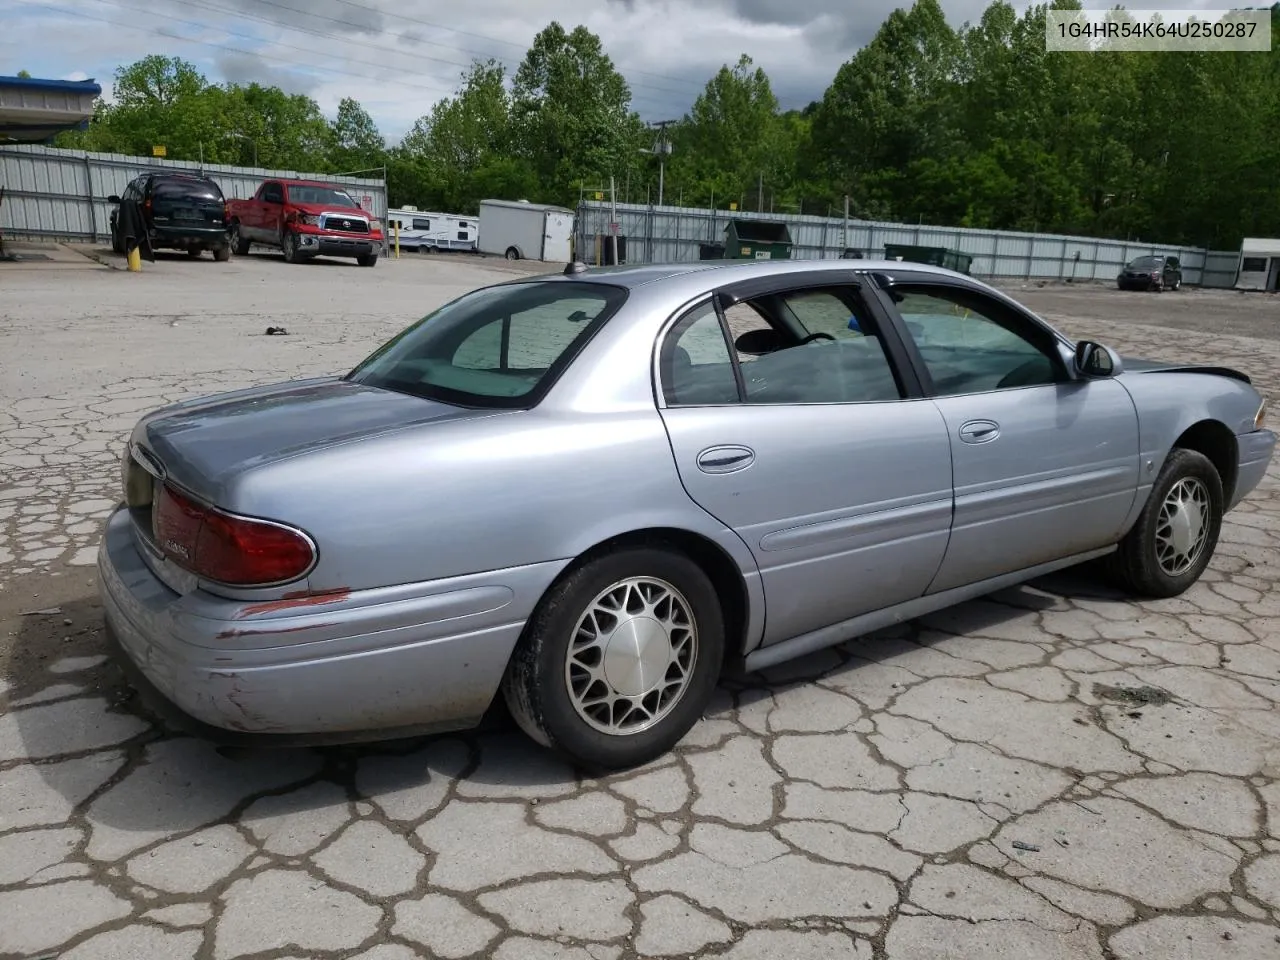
[(202, 445)]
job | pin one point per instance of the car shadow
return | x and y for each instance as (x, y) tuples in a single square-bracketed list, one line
[(107, 752)]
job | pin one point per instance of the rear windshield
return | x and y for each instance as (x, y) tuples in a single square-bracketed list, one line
[(325, 195), (179, 187), (500, 346)]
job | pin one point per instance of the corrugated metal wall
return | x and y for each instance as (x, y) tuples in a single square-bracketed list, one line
[(62, 194), (674, 234)]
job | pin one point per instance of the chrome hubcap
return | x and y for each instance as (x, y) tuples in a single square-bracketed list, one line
[(631, 656), (1183, 526)]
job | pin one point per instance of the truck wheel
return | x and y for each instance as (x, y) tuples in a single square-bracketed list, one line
[(222, 254), (289, 245), (238, 243), (367, 260), (513, 253)]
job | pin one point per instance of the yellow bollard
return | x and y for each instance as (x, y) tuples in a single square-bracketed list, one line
[(135, 260), (397, 231)]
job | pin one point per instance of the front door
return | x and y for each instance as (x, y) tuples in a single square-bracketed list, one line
[(1045, 466), (790, 425), (557, 231)]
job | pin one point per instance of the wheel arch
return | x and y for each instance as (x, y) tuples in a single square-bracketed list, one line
[(1214, 440), (723, 571)]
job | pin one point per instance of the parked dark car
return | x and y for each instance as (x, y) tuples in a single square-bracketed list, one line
[(181, 211), (1151, 273)]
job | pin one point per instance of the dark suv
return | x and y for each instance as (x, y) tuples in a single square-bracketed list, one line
[(1151, 273), (182, 211)]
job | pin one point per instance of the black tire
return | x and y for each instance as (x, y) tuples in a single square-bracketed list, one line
[(512, 253), (289, 247), (1136, 564), (222, 254), (239, 245), (367, 260), (535, 686)]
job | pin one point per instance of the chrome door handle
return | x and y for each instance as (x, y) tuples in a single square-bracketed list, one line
[(979, 431), (725, 459)]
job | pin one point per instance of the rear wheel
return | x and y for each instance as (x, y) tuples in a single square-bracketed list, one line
[(367, 260), (194, 252), (620, 658), (1175, 535), (222, 254), (512, 253)]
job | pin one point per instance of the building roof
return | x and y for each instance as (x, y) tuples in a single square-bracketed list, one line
[(33, 110)]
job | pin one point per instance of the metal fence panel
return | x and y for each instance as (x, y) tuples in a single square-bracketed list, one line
[(62, 194), (675, 234)]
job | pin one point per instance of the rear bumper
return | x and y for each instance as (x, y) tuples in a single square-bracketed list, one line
[(188, 236), (1256, 450), (422, 658)]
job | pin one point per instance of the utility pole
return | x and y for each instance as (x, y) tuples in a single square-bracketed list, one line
[(844, 239), (613, 219), (662, 148), (760, 195)]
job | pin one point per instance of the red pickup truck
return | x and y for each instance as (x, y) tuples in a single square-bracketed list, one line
[(304, 219)]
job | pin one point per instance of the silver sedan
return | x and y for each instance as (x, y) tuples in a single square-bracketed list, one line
[(595, 490)]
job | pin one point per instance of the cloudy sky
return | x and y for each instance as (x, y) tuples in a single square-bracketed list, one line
[(397, 57)]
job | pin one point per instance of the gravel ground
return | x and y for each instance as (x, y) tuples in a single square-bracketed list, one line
[(1051, 772)]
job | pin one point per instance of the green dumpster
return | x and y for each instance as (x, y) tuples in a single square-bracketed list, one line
[(757, 240), (936, 256)]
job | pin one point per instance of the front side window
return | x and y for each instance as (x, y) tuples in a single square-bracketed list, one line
[(970, 344), (499, 346), (273, 193)]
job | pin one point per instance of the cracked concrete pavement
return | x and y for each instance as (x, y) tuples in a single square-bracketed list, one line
[(1050, 772)]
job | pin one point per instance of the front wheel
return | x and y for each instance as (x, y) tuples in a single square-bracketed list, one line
[(1175, 535), (620, 658), (512, 253), (289, 246)]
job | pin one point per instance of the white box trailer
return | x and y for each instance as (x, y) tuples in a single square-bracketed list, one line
[(1259, 264), (426, 230), (519, 230)]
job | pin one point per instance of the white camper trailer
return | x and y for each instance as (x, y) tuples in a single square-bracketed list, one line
[(426, 231), (519, 230), (1259, 265)]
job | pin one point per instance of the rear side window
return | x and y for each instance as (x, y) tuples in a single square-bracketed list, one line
[(175, 188), (501, 346)]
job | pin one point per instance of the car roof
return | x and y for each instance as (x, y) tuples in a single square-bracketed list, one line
[(309, 183), (637, 275)]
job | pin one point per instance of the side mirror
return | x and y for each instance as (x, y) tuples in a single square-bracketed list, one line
[(113, 199), (1093, 360)]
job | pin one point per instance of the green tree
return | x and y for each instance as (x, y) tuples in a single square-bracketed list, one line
[(572, 114), (357, 144)]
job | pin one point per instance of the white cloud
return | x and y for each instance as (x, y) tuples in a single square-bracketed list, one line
[(397, 57)]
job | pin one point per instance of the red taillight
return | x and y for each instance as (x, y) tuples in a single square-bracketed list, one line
[(231, 550)]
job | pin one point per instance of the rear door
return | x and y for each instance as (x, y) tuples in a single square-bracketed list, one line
[(821, 455), (1046, 466), (186, 202), (557, 231)]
